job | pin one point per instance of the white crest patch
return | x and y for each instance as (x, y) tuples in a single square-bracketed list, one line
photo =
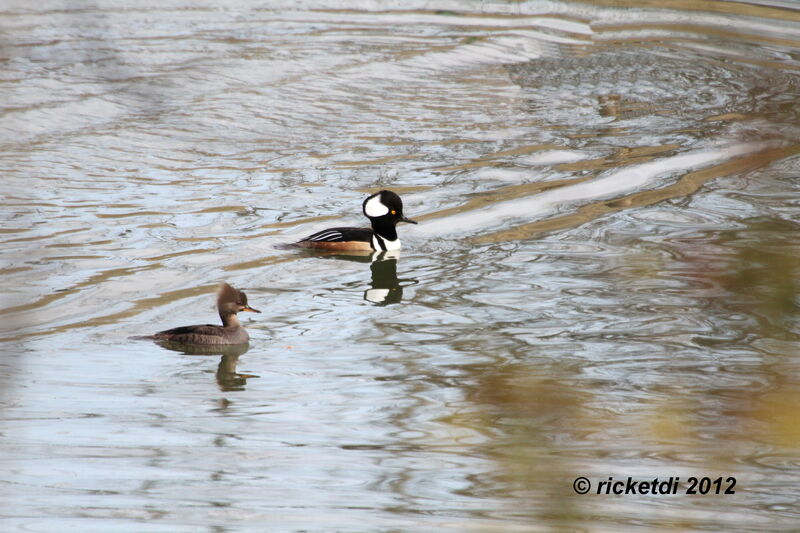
[(374, 207)]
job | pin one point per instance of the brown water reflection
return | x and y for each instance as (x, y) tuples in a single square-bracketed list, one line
[(603, 282), (553, 425)]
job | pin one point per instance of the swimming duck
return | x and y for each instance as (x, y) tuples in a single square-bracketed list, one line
[(384, 210), (229, 302)]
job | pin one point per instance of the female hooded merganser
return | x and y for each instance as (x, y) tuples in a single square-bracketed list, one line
[(384, 209), (229, 302)]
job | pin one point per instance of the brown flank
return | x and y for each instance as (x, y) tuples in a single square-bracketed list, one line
[(343, 246)]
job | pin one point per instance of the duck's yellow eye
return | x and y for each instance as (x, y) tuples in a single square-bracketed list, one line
[(394, 212)]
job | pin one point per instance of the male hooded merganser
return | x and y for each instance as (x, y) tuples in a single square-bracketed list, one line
[(384, 209), (229, 302)]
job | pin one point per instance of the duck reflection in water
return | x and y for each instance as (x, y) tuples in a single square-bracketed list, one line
[(227, 377), (386, 288)]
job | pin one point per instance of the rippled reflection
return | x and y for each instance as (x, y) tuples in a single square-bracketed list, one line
[(385, 288), (227, 377)]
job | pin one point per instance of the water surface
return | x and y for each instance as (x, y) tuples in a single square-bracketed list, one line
[(603, 282)]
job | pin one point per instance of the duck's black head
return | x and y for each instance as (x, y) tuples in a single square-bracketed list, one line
[(385, 206)]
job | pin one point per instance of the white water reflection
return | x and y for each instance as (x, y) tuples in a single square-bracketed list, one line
[(633, 178)]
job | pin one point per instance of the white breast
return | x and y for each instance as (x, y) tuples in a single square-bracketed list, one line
[(390, 245)]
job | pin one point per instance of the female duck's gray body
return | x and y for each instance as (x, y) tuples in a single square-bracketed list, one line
[(229, 302)]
